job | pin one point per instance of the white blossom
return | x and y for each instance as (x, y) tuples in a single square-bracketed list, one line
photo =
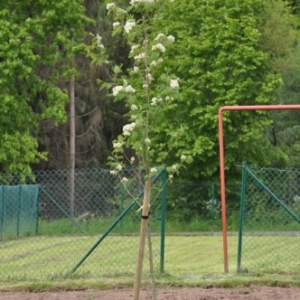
[(133, 47), (115, 24), (170, 176), (182, 157), (117, 89), (132, 159), (117, 145), (129, 25), (133, 107), (169, 98), (127, 129), (171, 38), (149, 77), (119, 167), (129, 89), (159, 47), (140, 56), (159, 36), (110, 5), (147, 141), (153, 63), (174, 167), (113, 172), (174, 84), (153, 170), (154, 101), (99, 41), (132, 2), (136, 69), (124, 180)]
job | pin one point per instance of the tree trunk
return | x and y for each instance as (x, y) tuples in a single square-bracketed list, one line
[(143, 234), (72, 145)]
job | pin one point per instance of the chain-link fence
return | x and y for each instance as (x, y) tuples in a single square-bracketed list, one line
[(269, 220), (54, 224), (88, 224)]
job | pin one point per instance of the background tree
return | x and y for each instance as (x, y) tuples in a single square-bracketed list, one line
[(280, 41), (219, 62), (37, 43)]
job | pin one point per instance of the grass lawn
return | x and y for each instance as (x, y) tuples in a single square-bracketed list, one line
[(41, 262)]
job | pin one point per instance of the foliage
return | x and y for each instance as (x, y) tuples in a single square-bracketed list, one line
[(280, 41), (38, 40), (218, 59)]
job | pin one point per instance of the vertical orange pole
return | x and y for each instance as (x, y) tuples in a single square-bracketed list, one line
[(222, 163), (223, 197)]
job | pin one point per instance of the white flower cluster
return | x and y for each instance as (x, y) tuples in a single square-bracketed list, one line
[(133, 47), (133, 107), (117, 145), (161, 36), (124, 180), (149, 77), (119, 88), (155, 100), (154, 63), (182, 157), (116, 24), (109, 6), (129, 25), (127, 129), (174, 84), (153, 170), (159, 47), (136, 69), (132, 2), (140, 56)]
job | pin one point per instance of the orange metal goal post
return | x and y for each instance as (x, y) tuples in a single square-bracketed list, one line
[(222, 167)]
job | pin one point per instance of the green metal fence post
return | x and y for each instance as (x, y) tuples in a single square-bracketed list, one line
[(163, 220), (2, 211), (243, 187), (121, 206), (37, 212), (19, 211), (212, 208)]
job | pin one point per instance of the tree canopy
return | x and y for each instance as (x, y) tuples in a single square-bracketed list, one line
[(37, 42), (219, 62), (227, 52)]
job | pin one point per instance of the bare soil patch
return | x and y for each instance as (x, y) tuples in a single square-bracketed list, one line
[(253, 293)]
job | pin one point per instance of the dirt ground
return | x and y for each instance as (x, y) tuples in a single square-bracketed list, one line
[(255, 293)]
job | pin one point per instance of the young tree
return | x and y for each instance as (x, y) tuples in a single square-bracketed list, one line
[(147, 90)]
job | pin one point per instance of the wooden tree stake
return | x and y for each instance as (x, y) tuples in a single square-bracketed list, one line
[(143, 234)]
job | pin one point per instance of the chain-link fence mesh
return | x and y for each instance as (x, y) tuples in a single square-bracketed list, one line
[(269, 225), (91, 222)]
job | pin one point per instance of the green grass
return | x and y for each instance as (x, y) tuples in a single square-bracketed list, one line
[(43, 263)]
